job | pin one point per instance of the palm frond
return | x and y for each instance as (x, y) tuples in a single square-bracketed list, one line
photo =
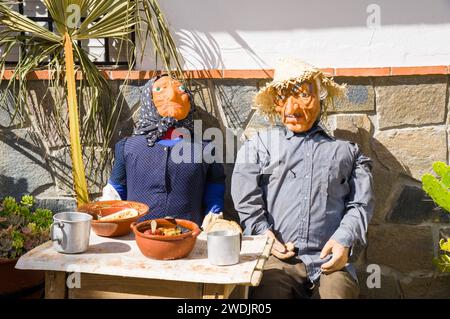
[(117, 22), (155, 27), (14, 21), (99, 111)]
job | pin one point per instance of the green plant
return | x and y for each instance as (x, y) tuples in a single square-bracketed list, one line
[(62, 54), (443, 261), (21, 228), (438, 189)]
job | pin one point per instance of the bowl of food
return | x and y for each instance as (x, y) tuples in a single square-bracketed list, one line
[(166, 239), (113, 218)]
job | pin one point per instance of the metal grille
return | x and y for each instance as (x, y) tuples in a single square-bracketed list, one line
[(47, 21)]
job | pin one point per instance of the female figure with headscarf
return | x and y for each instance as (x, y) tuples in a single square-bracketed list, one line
[(147, 166)]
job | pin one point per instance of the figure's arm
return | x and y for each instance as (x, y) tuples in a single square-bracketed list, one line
[(359, 211), (117, 181), (213, 196), (246, 192), (360, 204), (249, 200)]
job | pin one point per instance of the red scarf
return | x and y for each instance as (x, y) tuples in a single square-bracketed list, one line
[(168, 134)]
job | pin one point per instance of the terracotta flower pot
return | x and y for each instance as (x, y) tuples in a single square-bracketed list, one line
[(166, 247), (112, 228), (16, 283)]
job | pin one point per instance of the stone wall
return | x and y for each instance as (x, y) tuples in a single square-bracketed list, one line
[(401, 122)]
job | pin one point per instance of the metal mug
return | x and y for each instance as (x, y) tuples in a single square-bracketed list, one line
[(70, 232), (224, 247)]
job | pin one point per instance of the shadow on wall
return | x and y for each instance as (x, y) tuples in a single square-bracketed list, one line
[(368, 144), (10, 186), (24, 169), (202, 49), (129, 101), (211, 34), (41, 147), (386, 172), (50, 130)]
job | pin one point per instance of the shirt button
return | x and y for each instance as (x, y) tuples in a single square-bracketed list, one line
[(307, 154), (165, 148), (306, 176), (305, 198)]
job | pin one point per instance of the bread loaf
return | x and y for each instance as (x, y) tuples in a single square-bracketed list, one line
[(223, 224)]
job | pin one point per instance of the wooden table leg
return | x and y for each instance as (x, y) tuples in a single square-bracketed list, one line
[(217, 291), (55, 285), (239, 292)]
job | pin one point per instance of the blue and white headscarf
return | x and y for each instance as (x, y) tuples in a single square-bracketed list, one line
[(152, 124)]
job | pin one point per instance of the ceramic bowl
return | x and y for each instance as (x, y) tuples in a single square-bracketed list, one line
[(166, 247), (114, 228)]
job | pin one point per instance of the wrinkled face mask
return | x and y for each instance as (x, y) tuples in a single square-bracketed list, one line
[(170, 98), (298, 106)]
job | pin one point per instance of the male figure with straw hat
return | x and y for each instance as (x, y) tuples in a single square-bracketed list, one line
[(312, 193)]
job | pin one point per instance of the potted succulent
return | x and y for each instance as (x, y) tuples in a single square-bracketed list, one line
[(22, 228), (438, 188)]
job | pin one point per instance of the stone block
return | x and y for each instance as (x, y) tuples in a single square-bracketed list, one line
[(96, 175), (203, 95), (414, 206), (356, 128), (386, 186), (129, 100), (131, 95), (257, 122), (411, 151), (23, 165), (360, 95), (389, 286), (49, 113), (418, 100), (401, 247), (9, 117), (431, 287), (235, 97), (444, 233), (57, 204)]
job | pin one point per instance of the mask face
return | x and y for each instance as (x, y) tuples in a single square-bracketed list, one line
[(298, 106), (170, 98)]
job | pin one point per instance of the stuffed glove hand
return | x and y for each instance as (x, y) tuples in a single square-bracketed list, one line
[(109, 193), (280, 250), (211, 217)]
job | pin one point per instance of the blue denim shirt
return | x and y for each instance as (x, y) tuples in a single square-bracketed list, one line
[(307, 188)]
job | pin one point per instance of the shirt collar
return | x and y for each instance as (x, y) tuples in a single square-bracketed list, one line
[(317, 128)]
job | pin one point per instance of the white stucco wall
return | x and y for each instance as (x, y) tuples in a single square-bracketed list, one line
[(253, 34)]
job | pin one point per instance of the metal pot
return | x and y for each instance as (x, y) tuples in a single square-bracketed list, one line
[(70, 232), (224, 247)]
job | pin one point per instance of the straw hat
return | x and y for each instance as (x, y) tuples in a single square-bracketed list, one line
[(294, 71)]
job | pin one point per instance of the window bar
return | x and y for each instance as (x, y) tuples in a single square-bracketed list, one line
[(49, 23)]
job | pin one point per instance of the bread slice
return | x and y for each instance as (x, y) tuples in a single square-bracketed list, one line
[(123, 214), (223, 224)]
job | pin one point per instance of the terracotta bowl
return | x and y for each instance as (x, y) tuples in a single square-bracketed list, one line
[(114, 228), (166, 247)]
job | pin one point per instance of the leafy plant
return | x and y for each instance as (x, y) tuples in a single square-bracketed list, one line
[(443, 261), (438, 189), (62, 54), (22, 229)]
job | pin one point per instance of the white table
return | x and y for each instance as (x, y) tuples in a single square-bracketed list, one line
[(115, 268)]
